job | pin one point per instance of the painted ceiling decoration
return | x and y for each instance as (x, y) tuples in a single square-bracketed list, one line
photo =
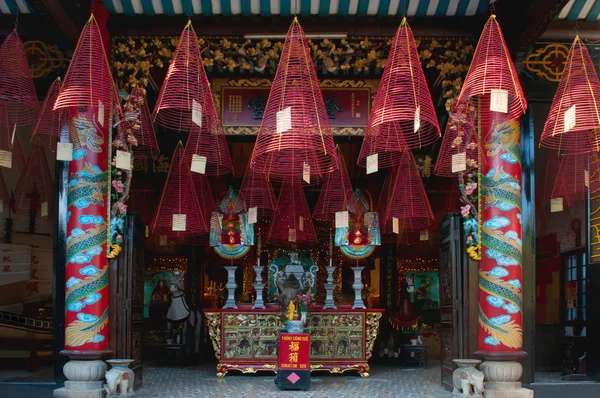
[(588, 10), (14, 7), (323, 8)]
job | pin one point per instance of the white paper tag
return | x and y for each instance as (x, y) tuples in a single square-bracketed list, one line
[(252, 215), (284, 120), (372, 163), (499, 100), (123, 160), (147, 231), (44, 209), (459, 162), (197, 114), (292, 235), (306, 173), (179, 222), (341, 219), (556, 205), (570, 118), (12, 140), (6, 159), (198, 164), (101, 113), (417, 119), (424, 235), (162, 240), (301, 223), (64, 151), (586, 178), (395, 225)]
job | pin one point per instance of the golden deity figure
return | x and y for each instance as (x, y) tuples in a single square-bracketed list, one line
[(291, 310)]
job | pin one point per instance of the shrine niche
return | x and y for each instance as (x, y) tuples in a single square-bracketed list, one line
[(231, 234)]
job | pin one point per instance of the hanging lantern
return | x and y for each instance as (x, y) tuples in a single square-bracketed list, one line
[(292, 224), (34, 190), (17, 92), (460, 145), (575, 174), (137, 118), (258, 192), (295, 139), (492, 75), (178, 213), (403, 115), (336, 193), (89, 82), (405, 199), (575, 109), (50, 124)]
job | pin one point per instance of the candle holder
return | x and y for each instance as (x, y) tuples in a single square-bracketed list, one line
[(329, 289), (231, 286), (259, 286), (358, 287)]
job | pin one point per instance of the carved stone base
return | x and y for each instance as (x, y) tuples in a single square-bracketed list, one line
[(502, 379), (231, 286), (520, 393), (259, 304), (85, 379)]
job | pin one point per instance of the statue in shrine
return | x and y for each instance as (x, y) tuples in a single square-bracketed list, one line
[(230, 232), (179, 310), (289, 287), (406, 310), (161, 293)]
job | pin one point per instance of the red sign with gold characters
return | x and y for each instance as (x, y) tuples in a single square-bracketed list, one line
[(294, 351)]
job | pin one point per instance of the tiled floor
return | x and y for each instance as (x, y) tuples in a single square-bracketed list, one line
[(201, 381), (384, 382)]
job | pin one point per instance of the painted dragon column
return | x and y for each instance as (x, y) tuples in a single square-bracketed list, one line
[(86, 302), (500, 273)]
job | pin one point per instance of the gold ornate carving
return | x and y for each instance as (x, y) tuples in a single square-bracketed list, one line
[(548, 61), (371, 332), (214, 331), (43, 58), (133, 57)]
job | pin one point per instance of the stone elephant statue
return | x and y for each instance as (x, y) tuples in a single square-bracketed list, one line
[(119, 382), (468, 382)]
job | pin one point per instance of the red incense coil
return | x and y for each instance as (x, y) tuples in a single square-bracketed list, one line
[(258, 192), (51, 124), (492, 69), (304, 135), (577, 102), (402, 98), (405, 198), (290, 207), (336, 193), (35, 180), (138, 120), (575, 172), (178, 197), (89, 80), (460, 136), (17, 92)]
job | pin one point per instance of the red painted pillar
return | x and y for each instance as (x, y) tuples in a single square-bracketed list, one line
[(87, 299), (500, 273)]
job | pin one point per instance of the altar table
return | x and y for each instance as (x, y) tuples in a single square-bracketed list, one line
[(246, 340)]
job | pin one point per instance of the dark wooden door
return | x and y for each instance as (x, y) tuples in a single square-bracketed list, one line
[(128, 290), (452, 271)]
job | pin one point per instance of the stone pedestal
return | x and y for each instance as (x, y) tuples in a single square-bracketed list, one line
[(329, 289), (258, 287), (85, 379), (358, 287), (231, 286), (502, 379)]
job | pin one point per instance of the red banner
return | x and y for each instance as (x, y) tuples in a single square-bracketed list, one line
[(294, 351)]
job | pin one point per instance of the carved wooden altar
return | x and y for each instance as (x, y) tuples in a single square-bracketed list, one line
[(246, 340)]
